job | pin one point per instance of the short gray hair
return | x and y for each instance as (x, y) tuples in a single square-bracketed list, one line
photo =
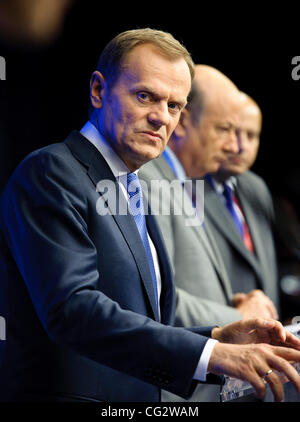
[(112, 57), (196, 102)]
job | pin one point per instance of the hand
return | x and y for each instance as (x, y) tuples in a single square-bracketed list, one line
[(256, 330), (252, 362), (255, 303)]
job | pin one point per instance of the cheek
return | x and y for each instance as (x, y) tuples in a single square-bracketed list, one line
[(218, 145), (124, 127), (252, 156), (113, 120), (173, 122)]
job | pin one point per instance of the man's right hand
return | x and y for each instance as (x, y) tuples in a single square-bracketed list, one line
[(251, 363), (254, 304)]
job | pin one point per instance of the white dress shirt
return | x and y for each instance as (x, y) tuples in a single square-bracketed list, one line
[(119, 169)]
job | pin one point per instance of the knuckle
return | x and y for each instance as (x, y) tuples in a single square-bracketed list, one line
[(258, 321), (261, 348)]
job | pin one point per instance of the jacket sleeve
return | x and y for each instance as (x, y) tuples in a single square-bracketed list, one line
[(193, 310)]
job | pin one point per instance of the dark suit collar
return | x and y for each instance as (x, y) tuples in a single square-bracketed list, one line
[(167, 299), (98, 170), (88, 155), (218, 214), (246, 198)]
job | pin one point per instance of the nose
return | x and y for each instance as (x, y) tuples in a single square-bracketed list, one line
[(159, 115), (234, 142)]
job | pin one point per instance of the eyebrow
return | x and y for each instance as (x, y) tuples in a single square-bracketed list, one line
[(155, 94), (225, 123)]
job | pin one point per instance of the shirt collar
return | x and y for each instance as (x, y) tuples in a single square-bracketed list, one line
[(117, 166), (174, 163), (219, 187)]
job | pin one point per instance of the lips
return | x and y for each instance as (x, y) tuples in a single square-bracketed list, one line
[(235, 160), (152, 135)]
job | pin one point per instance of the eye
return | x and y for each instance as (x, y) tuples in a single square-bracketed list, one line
[(175, 107), (223, 128), (252, 136), (143, 96)]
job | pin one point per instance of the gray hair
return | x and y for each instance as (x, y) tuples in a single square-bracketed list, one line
[(196, 103), (112, 57)]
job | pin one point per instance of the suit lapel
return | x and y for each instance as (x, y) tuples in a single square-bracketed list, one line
[(217, 212), (220, 267), (97, 170), (167, 298), (244, 196)]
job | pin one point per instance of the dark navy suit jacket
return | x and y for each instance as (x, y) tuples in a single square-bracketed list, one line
[(76, 290)]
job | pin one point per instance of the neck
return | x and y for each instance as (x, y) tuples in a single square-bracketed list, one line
[(186, 159), (222, 176)]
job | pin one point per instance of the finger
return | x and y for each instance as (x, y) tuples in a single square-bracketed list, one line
[(275, 330), (278, 332), (271, 308), (289, 354), (258, 384), (255, 292), (291, 341), (285, 368), (275, 384), (263, 323), (260, 295)]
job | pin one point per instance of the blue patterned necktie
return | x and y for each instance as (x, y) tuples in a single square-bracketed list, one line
[(136, 205), (228, 194)]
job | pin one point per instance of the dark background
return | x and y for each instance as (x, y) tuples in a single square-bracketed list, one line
[(46, 93)]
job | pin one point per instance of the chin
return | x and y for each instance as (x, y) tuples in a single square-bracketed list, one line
[(235, 170), (152, 153), (145, 159)]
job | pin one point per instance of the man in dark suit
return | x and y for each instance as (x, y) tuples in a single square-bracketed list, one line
[(88, 290), (242, 222)]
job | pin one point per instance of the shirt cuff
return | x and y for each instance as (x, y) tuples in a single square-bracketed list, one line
[(201, 370)]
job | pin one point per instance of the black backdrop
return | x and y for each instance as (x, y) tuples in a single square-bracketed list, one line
[(45, 94)]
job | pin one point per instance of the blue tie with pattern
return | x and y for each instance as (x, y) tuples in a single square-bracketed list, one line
[(136, 205), (228, 194)]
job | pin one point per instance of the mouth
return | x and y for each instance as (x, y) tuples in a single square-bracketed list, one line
[(220, 160), (235, 160), (154, 136)]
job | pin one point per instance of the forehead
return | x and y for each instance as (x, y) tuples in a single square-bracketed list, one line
[(224, 107), (147, 64), (250, 118)]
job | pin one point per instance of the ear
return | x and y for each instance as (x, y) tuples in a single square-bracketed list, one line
[(182, 126), (97, 85)]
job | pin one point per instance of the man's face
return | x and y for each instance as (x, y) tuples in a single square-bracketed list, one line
[(139, 113), (250, 128), (215, 137)]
